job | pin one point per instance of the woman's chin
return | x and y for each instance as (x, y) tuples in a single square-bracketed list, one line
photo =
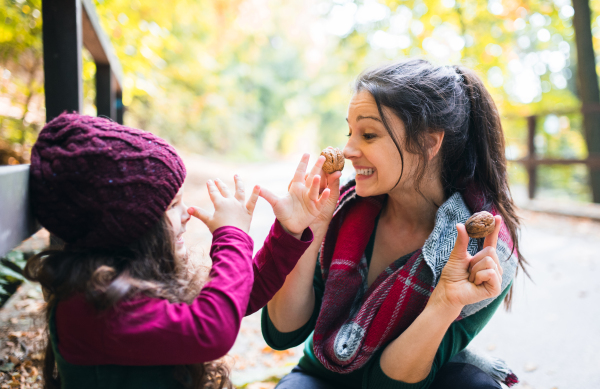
[(362, 191)]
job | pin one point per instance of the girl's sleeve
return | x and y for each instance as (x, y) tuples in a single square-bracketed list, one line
[(458, 336), (151, 331), (285, 340), (273, 262)]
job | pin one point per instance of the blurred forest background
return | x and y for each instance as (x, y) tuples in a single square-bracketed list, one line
[(261, 79)]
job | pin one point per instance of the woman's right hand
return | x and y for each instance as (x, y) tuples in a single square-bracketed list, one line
[(331, 181), (303, 203)]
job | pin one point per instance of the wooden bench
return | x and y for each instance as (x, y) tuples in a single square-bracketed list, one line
[(68, 25)]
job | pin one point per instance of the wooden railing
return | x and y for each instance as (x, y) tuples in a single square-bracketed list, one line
[(531, 161), (68, 25)]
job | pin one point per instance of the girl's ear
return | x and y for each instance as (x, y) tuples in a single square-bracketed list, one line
[(433, 142)]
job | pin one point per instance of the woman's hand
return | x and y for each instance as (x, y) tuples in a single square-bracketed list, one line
[(229, 208), (331, 181), (302, 204), (469, 279)]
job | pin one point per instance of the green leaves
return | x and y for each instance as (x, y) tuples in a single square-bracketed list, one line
[(11, 270)]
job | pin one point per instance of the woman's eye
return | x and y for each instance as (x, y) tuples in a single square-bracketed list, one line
[(369, 136), (174, 204), (349, 134)]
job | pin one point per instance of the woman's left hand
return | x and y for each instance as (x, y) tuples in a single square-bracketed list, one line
[(468, 279)]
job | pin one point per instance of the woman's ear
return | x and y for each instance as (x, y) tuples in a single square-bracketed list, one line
[(434, 141)]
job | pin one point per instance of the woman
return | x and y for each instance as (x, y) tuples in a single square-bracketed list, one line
[(392, 289)]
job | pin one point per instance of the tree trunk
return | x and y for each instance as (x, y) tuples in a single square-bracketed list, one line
[(587, 81)]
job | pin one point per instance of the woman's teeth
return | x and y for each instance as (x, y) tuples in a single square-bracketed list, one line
[(364, 172)]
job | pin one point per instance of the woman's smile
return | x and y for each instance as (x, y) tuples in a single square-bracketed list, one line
[(364, 173)]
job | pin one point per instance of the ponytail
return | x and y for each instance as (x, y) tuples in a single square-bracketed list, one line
[(486, 146)]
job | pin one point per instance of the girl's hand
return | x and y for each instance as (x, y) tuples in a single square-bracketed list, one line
[(302, 204), (229, 208), (469, 279)]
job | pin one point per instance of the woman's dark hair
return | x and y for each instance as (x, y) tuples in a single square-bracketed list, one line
[(453, 100), (107, 276)]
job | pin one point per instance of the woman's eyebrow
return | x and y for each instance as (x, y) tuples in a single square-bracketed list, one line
[(360, 117)]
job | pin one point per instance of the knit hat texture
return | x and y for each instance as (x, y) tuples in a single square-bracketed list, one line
[(96, 183)]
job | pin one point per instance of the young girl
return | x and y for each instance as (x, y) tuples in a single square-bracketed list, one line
[(125, 309)]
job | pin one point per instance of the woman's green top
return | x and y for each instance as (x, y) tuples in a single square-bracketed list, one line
[(458, 336)]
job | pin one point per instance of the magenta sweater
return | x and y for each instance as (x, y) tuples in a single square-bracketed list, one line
[(150, 331)]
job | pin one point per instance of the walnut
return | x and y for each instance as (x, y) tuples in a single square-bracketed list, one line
[(334, 160), (480, 224)]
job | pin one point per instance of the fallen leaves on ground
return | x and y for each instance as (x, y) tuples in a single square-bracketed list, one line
[(261, 385), (22, 342), (277, 354)]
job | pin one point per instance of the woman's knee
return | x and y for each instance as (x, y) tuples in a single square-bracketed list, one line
[(298, 378), (463, 376)]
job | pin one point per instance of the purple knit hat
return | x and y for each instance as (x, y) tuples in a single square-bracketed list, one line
[(96, 183)]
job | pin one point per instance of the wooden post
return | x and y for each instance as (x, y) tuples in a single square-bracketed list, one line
[(62, 39), (120, 107), (531, 166), (106, 96), (587, 82)]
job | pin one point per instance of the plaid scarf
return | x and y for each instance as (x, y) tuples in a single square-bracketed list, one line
[(356, 320)]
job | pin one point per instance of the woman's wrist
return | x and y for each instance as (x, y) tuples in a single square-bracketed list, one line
[(296, 235), (319, 227), (439, 303)]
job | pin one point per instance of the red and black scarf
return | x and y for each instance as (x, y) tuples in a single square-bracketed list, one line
[(355, 320)]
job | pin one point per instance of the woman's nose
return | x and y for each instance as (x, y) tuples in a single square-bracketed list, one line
[(350, 151)]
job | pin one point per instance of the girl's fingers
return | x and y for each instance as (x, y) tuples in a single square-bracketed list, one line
[(213, 191), (253, 199), (199, 213), (485, 263), (240, 193), (313, 191), (223, 188), (492, 239), (267, 195), (301, 169)]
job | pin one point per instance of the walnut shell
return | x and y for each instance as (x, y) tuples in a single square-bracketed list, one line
[(480, 224), (334, 160)]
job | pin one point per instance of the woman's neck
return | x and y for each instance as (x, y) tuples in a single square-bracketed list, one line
[(412, 209)]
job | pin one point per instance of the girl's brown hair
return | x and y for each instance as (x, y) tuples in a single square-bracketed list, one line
[(453, 100), (106, 276)]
